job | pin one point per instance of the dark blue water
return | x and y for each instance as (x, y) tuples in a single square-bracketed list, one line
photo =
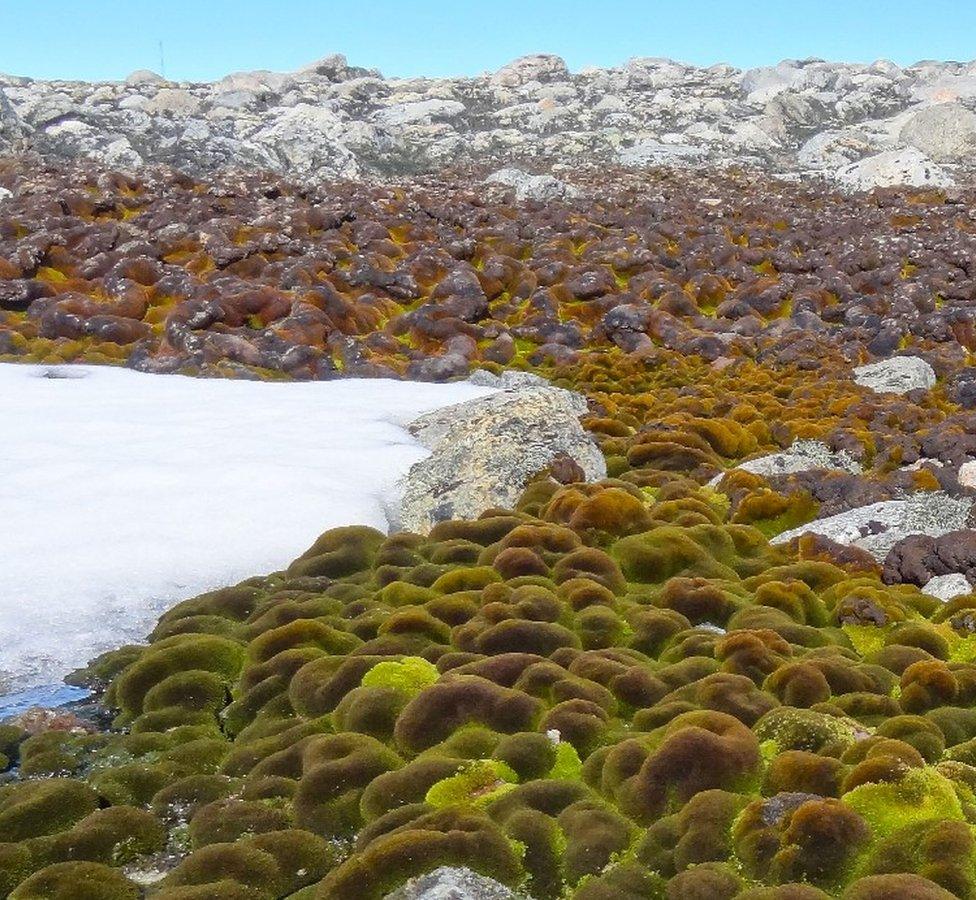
[(47, 696)]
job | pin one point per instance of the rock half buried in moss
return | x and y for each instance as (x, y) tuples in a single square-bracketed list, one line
[(484, 451), (449, 881), (879, 526), (897, 375), (802, 456)]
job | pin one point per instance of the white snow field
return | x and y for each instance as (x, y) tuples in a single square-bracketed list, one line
[(122, 493)]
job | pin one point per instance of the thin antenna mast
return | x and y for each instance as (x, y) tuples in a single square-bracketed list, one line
[(162, 61)]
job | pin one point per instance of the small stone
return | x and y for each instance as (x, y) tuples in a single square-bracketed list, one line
[(802, 456), (38, 719)]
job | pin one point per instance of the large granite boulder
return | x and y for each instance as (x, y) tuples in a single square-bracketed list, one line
[(484, 451)]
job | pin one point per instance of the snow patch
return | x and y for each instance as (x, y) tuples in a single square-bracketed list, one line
[(123, 493)]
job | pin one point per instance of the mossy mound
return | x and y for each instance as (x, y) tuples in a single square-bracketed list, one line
[(613, 690)]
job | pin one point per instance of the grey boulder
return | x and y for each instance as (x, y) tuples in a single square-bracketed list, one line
[(802, 456), (452, 883), (484, 451), (897, 375), (945, 132), (533, 187), (945, 587), (877, 527), (907, 166)]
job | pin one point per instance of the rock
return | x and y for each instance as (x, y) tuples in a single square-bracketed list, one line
[(538, 67), (144, 76), (39, 719), (483, 452), (967, 475), (865, 125), (533, 187), (945, 587), (945, 132), (308, 139), (892, 168), (802, 456), (761, 84), (897, 375), (452, 883), (656, 153), (175, 101), (335, 67), (401, 114), (879, 526)]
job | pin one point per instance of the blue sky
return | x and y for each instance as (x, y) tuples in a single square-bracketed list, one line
[(205, 39)]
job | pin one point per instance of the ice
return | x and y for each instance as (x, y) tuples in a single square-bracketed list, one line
[(122, 493)]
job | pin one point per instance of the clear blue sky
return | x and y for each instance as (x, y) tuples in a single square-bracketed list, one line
[(205, 39)]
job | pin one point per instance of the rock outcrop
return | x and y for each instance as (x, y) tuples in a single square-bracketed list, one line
[(864, 125), (483, 452)]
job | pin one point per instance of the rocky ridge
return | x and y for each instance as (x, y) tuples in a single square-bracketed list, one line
[(862, 125)]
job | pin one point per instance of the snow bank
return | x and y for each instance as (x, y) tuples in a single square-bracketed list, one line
[(121, 493)]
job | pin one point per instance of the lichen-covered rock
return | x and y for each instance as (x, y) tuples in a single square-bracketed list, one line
[(897, 375), (532, 187), (878, 527), (452, 883), (483, 453), (945, 587), (893, 167), (802, 456)]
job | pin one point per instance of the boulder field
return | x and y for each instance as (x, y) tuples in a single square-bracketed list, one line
[(721, 644), (857, 125)]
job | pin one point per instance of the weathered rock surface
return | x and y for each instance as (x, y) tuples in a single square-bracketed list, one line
[(863, 125), (533, 187), (802, 456), (452, 883), (877, 528), (945, 132), (945, 587), (893, 167), (897, 375), (967, 475), (484, 451)]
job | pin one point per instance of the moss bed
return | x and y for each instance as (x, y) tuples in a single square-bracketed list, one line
[(614, 690)]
